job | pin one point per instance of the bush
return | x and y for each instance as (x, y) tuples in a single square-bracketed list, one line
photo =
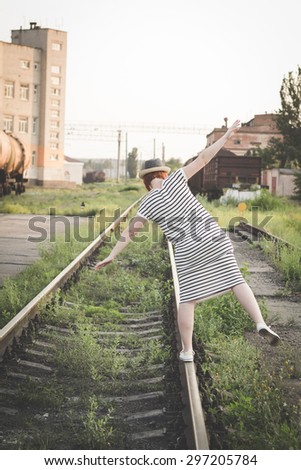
[(266, 201)]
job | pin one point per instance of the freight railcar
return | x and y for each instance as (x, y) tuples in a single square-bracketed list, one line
[(225, 170), (14, 160)]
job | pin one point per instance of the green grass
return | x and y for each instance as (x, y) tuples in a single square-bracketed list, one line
[(109, 199), (90, 367), (280, 217), (95, 197), (246, 397), (17, 292), (255, 413)]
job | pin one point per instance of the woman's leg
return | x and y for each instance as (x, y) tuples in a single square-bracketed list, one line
[(185, 324), (247, 300)]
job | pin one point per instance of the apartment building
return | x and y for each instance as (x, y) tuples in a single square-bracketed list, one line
[(255, 133), (32, 98)]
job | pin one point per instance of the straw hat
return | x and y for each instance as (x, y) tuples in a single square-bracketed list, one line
[(155, 164)]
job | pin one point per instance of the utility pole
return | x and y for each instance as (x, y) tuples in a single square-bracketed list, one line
[(118, 157), (154, 148), (163, 152), (126, 154)]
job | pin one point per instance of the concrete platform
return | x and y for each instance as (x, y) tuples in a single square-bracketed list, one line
[(23, 236)]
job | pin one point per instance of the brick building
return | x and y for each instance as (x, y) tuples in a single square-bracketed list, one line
[(255, 133), (32, 98)]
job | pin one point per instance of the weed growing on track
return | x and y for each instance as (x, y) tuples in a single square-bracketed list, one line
[(50, 396), (98, 432), (89, 356), (255, 412), (288, 262)]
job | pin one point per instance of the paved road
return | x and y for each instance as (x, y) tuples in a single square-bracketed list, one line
[(22, 236)]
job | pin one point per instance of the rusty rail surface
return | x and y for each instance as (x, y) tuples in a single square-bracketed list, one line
[(196, 421), (254, 230)]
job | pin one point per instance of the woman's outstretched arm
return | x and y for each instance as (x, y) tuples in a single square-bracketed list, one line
[(208, 153), (136, 224)]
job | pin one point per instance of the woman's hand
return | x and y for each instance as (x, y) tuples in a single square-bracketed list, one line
[(104, 262), (235, 126)]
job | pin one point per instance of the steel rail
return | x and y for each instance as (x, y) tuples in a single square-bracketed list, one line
[(196, 420), (14, 328), (196, 433), (255, 230)]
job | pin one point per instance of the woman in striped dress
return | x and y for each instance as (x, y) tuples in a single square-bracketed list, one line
[(204, 257)]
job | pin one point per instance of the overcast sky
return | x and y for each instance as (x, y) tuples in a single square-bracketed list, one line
[(167, 61)]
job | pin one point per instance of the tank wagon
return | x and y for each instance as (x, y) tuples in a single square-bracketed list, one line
[(14, 160), (225, 170)]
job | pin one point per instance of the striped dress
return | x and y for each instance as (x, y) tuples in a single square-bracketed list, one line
[(204, 256)]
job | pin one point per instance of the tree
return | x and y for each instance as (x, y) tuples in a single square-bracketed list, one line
[(279, 154), (288, 121), (267, 155), (132, 163), (285, 152), (289, 116), (174, 163)]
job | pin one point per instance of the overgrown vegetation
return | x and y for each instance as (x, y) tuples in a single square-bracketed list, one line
[(106, 200), (87, 200), (245, 397), (17, 292), (91, 365), (280, 217), (255, 413)]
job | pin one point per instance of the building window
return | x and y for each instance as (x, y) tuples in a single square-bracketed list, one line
[(54, 145), (24, 64), (55, 91), (54, 156), (54, 135), (33, 157), (8, 123), (24, 92), (55, 69), (23, 125), (9, 89), (34, 125), (35, 93), (236, 141), (54, 124), (55, 80), (55, 113), (55, 103), (57, 46), (36, 66)]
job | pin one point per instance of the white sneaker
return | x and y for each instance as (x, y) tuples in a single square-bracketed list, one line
[(186, 356), (269, 334)]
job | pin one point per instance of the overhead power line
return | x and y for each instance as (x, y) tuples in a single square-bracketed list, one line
[(107, 130)]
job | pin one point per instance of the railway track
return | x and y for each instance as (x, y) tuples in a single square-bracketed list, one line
[(252, 232), (110, 383), (74, 377)]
